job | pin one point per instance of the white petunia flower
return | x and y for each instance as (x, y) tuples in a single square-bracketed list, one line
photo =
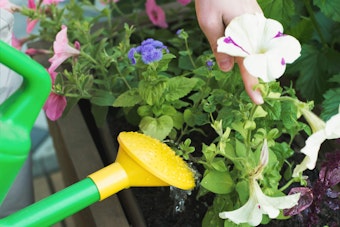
[(259, 203), (321, 131), (266, 50)]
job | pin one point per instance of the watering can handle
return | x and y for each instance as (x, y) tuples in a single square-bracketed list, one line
[(19, 112), (23, 107)]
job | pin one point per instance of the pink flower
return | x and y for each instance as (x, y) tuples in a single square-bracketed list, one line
[(55, 106), (155, 14), (62, 50), (32, 51), (184, 2), (16, 43), (53, 76), (31, 23), (49, 2)]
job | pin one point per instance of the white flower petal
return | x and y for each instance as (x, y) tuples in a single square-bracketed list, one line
[(332, 129), (244, 30), (311, 149), (271, 29), (248, 213), (272, 205), (267, 66), (228, 46), (286, 47), (258, 204), (301, 167)]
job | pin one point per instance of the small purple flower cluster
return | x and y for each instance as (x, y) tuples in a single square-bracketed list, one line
[(150, 50)]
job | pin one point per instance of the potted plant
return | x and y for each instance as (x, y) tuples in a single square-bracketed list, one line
[(161, 78)]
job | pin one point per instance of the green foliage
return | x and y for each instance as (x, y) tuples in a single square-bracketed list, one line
[(181, 100)]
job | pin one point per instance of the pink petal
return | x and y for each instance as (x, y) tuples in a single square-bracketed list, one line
[(30, 25), (155, 14), (55, 106), (31, 4)]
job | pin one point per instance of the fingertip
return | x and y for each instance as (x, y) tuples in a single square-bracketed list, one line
[(225, 62), (256, 97)]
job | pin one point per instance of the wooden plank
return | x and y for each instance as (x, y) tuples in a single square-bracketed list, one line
[(78, 157)]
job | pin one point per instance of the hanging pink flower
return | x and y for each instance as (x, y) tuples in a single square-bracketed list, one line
[(155, 14), (55, 106), (62, 50), (184, 2)]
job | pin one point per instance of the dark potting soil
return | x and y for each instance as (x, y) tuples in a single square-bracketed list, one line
[(160, 209)]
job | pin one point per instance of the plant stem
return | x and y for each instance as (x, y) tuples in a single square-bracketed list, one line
[(189, 53), (284, 187)]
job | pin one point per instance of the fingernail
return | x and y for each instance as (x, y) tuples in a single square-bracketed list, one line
[(257, 98), (225, 65)]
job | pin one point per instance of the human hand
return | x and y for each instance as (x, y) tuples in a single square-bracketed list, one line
[(213, 16)]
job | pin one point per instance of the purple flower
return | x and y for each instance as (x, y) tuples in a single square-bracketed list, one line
[(150, 50), (131, 55), (150, 54), (209, 63)]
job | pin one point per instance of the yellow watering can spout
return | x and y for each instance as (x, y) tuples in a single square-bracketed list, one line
[(142, 161)]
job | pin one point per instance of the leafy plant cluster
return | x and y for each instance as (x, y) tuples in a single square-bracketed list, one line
[(184, 98)]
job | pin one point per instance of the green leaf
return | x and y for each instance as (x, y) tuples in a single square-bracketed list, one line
[(185, 63), (289, 115), (158, 128), (331, 8), (281, 10), (219, 165), (178, 87), (242, 189), (102, 98), (312, 81), (152, 91), (331, 103), (218, 182), (128, 99)]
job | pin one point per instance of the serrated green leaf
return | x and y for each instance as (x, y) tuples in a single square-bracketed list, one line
[(152, 91), (331, 103), (178, 87), (312, 81), (218, 182), (281, 10), (128, 99), (158, 128), (331, 8), (289, 115)]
